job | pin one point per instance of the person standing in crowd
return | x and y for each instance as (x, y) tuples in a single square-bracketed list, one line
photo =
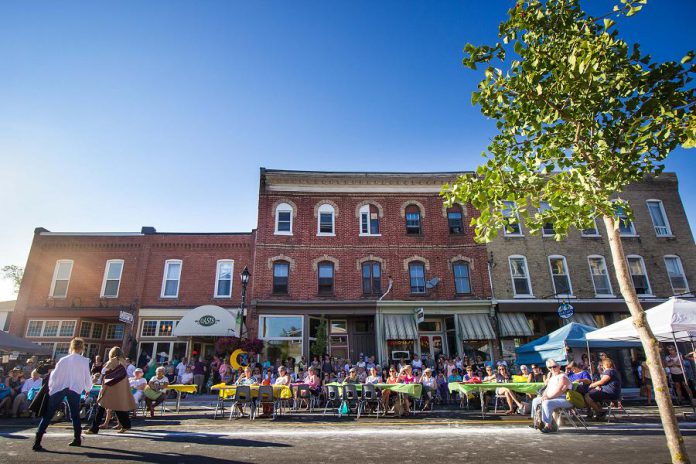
[(199, 370), (97, 365), (115, 394), (29, 388), (646, 385), (554, 397), (676, 372), (69, 379), (130, 367), (180, 369)]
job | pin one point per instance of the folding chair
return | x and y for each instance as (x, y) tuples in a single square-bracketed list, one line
[(572, 416), (333, 397), (613, 407), (266, 396), (496, 399), (369, 396), (305, 394), (242, 397), (350, 395)]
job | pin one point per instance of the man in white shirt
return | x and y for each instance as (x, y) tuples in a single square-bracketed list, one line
[(130, 370), (21, 401), (181, 370), (69, 379)]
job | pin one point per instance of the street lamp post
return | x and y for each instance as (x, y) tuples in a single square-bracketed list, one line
[(245, 274)]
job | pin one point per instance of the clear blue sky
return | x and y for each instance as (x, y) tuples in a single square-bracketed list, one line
[(161, 113)]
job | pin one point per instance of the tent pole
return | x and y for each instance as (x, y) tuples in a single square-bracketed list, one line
[(686, 382), (589, 358)]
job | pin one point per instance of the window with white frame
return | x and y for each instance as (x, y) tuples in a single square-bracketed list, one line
[(61, 349), (413, 220), (639, 276), (326, 220), (600, 276), (462, 282), (114, 331), (112, 278), (85, 329), (659, 218), (149, 329), (677, 277), (157, 328), (223, 278), (61, 278), (98, 330), (416, 271), (559, 275), (591, 231), (369, 220), (283, 219), (171, 278), (60, 328), (626, 226), (521, 283), (512, 220), (547, 228)]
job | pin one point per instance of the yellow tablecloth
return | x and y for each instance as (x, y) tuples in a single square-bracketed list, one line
[(279, 391), (182, 388)]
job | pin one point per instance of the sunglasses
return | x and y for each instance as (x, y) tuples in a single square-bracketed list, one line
[(553, 367)]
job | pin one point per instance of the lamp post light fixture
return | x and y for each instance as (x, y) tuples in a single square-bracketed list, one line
[(244, 275)]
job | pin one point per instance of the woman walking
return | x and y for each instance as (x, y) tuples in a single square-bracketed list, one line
[(115, 394), (68, 380)]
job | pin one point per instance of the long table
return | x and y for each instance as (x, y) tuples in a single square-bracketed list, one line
[(414, 390), (225, 391), (178, 388), (466, 388)]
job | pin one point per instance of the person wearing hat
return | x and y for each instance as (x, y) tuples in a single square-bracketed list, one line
[(352, 376), (138, 383), (28, 368), (429, 388)]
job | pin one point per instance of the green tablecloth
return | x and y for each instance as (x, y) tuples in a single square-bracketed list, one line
[(465, 388), (410, 389)]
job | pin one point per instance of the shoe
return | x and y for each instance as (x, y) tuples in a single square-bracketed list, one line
[(122, 430), (37, 443), (152, 413), (90, 432), (77, 441)]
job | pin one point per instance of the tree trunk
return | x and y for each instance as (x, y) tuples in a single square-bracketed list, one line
[(675, 442)]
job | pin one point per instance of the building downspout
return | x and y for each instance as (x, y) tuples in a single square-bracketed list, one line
[(494, 304)]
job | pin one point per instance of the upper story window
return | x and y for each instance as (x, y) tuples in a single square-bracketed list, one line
[(455, 220), (600, 276), (114, 332), (626, 226), (61, 278), (369, 220), (512, 220), (413, 220), (64, 328), (283, 219), (372, 278), (659, 218), (155, 328), (112, 278), (547, 228), (559, 275), (223, 278), (326, 217), (639, 276), (677, 277), (171, 278), (416, 271), (521, 283), (592, 231), (281, 271), (325, 270), (462, 282)]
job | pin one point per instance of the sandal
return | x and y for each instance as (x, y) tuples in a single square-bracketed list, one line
[(510, 413)]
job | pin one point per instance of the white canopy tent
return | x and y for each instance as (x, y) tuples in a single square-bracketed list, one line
[(673, 320), (209, 321)]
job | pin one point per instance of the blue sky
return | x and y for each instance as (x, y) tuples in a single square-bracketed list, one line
[(161, 113)]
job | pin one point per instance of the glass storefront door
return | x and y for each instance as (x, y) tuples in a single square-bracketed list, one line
[(432, 345)]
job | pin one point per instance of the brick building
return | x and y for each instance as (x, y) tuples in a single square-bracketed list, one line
[(374, 254), (365, 250), (534, 275)]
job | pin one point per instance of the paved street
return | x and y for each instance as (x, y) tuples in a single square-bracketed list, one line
[(451, 435)]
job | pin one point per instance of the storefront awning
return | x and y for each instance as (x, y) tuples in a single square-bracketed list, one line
[(400, 327), (475, 327), (584, 318), (209, 321), (514, 325)]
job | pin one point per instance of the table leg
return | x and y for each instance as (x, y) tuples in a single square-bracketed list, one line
[(178, 400), (483, 402)]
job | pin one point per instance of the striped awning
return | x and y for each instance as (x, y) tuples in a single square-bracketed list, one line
[(475, 327), (584, 318), (514, 325), (400, 327)]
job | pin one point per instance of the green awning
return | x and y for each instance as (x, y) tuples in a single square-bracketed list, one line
[(400, 327), (514, 325), (475, 327)]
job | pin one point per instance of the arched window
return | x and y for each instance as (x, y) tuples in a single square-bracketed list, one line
[(281, 272), (325, 271), (283, 219), (455, 219), (413, 220), (326, 220), (462, 281), (372, 278), (416, 271), (369, 220)]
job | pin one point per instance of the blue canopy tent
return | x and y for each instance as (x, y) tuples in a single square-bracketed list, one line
[(553, 346)]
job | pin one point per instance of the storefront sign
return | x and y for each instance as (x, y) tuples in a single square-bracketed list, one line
[(207, 321), (125, 316), (239, 359), (399, 342), (565, 310), (420, 315)]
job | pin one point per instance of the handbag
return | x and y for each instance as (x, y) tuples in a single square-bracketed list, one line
[(575, 398), (151, 394), (115, 375)]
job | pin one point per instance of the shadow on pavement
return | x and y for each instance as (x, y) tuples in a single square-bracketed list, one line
[(138, 456)]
